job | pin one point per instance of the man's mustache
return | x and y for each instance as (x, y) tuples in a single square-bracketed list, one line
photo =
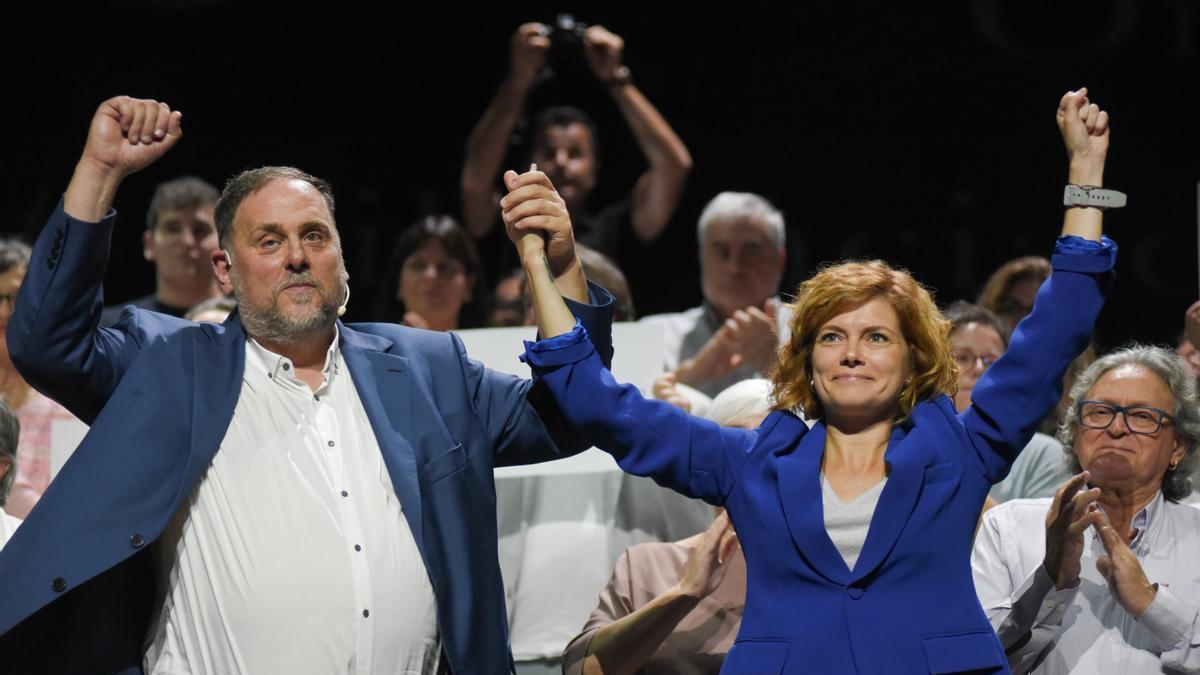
[(296, 279)]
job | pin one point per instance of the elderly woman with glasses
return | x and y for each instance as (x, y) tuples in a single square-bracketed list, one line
[(1105, 577)]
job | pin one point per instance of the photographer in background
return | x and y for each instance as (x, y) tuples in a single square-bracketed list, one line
[(563, 144)]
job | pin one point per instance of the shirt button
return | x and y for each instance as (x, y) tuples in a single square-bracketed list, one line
[(316, 398), (345, 494), (331, 444), (357, 547), (58, 585), (286, 366), (137, 541), (366, 613), (855, 593)]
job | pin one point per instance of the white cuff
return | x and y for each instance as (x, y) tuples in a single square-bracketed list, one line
[(1168, 619)]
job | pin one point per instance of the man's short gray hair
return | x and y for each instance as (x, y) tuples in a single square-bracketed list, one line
[(728, 205), (10, 431), (1177, 483)]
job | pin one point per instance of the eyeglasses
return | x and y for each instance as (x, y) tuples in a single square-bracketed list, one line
[(1138, 419), (967, 359), (447, 269)]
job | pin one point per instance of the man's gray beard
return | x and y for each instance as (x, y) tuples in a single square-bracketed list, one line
[(271, 325)]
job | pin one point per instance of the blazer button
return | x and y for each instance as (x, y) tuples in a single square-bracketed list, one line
[(58, 585), (855, 593), (137, 541)]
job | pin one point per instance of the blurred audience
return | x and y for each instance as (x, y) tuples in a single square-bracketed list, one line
[(674, 607), (433, 279), (508, 303), (563, 143), (10, 430), (179, 240), (598, 268), (37, 414), (978, 338), (733, 335), (1188, 344), (213, 310), (1102, 578), (1010, 291)]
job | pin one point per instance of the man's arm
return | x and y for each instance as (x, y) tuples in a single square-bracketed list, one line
[(657, 191), (53, 336), (488, 142)]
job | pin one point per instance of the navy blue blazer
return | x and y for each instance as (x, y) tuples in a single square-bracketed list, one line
[(77, 582), (909, 604)]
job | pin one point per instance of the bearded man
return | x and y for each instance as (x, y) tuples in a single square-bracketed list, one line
[(278, 494)]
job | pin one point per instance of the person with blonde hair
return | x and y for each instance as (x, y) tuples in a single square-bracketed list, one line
[(856, 533)]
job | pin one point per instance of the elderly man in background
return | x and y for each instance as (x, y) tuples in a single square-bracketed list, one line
[(733, 335), (10, 431), (1104, 577), (179, 240)]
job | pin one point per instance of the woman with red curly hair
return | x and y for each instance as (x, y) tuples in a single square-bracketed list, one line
[(857, 532)]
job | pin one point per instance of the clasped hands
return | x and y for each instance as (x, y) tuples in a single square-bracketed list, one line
[(1073, 510)]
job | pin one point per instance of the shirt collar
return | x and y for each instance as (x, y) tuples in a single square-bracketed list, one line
[(1144, 518), (276, 366)]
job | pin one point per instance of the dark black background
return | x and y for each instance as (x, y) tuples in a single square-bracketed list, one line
[(921, 134)]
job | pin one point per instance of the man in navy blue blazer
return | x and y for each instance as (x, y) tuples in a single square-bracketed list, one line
[(92, 580)]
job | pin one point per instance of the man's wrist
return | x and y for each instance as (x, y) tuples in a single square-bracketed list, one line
[(1142, 601), (571, 281), (91, 191), (618, 79)]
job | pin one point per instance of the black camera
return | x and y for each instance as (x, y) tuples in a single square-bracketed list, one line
[(566, 46)]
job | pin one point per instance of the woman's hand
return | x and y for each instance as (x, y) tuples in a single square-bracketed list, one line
[(1084, 128)]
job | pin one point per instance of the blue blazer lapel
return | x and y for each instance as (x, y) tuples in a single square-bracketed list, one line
[(218, 364), (386, 394), (906, 456), (800, 496)]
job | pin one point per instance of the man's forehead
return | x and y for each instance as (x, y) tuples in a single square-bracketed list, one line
[(283, 201), (738, 229), (199, 212), (574, 133)]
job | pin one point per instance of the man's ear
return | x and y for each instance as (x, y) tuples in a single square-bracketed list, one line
[(148, 245), (6, 465), (222, 269)]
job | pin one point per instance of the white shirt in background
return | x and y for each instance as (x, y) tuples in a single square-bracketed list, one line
[(1084, 629)]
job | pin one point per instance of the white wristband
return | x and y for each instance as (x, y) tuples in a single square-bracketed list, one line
[(1090, 195)]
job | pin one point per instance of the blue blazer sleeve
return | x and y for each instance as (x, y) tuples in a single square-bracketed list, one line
[(521, 417), (688, 454), (1025, 384), (54, 337)]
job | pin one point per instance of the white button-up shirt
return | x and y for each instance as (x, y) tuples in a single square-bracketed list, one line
[(292, 555), (1084, 629)]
